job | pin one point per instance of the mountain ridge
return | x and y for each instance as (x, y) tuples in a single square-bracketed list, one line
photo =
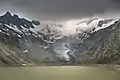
[(73, 42)]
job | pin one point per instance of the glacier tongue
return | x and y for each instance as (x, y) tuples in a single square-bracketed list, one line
[(74, 27)]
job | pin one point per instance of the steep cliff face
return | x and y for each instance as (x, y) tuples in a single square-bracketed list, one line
[(20, 43), (107, 51), (9, 56), (94, 40), (101, 47), (90, 42), (15, 34)]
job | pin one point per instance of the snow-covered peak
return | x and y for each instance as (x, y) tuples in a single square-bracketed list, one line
[(87, 24), (69, 28), (52, 31), (15, 28), (77, 31), (72, 27)]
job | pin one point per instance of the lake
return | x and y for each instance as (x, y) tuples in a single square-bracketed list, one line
[(58, 73)]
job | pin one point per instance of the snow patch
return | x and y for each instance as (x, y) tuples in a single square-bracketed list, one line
[(13, 27), (72, 27)]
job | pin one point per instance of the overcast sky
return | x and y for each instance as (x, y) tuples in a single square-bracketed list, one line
[(58, 9)]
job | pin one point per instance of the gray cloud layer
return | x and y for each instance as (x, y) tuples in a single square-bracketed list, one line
[(59, 9)]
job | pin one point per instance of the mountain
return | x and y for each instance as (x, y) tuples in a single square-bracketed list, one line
[(19, 35), (105, 49), (101, 46), (82, 36), (88, 40)]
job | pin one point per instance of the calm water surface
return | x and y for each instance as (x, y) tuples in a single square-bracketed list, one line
[(57, 73)]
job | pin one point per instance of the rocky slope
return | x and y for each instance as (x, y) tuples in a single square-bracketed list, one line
[(23, 42), (101, 47), (86, 45), (106, 51), (20, 43)]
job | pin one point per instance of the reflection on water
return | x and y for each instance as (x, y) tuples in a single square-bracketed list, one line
[(57, 73)]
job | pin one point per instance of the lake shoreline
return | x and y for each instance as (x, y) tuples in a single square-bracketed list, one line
[(114, 67)]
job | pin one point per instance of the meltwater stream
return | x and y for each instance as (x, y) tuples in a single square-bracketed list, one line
[(57, 73)]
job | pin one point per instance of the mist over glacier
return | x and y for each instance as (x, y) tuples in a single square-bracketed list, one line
[(68, 30), (60, 39), (70, 26)]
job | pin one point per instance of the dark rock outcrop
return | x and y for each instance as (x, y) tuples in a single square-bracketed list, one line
[(17, 34), (101, 47)]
